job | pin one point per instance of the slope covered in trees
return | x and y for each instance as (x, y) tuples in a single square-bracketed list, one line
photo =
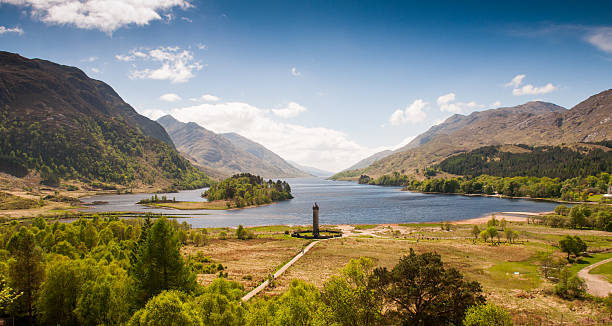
[(546, 161), (247, 189), (532, 123), (57, 121)]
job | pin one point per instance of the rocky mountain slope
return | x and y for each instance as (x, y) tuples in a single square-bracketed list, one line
[(227, 154), (533, 123), (57, 121)]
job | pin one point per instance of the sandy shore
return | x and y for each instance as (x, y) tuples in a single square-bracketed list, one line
[(508, 216)]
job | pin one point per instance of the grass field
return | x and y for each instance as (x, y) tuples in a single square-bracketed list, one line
[(509, 273), (605, 270)]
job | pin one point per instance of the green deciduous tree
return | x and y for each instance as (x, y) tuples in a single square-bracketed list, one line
[(352, 297), (572, 245), (487, 315), (169, 308), (220, 303)]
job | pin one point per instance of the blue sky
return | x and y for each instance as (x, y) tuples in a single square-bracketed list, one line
[(323, 83)]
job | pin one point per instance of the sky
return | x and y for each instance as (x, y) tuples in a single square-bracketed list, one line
[(322, 83)]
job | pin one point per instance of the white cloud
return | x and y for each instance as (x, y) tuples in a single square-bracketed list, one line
[(528, 89), (189, 20), (4, 30), (291, 111), (95, 70), (177, 65), (601, 38), (89, 59), (103, 15), (170, 97), (201, 46), (321, 147), (206, 98), (412, 113), (294, 72), (447, 103), (532, 90), (516, 81)]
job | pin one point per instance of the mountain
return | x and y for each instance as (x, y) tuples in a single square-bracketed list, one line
[(312, 170), (57, 121), (227, 154), (369, 160), (265, 155), (532, 123)]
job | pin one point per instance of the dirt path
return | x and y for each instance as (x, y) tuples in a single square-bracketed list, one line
[(597, 285), (279, 272)]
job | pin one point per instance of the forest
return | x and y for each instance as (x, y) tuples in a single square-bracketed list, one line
[(93, 150), (109, 271), (246, 189), (574, 189), (545, 161)]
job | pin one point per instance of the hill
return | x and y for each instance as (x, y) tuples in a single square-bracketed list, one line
[(533, 123), (227, 154), (57, 121)]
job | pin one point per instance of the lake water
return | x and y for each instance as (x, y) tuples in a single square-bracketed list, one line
[(340, 202)]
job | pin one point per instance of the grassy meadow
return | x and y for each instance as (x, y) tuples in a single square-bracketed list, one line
[(511, 274)]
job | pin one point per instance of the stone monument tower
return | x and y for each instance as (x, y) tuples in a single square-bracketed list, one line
[(315, 220)]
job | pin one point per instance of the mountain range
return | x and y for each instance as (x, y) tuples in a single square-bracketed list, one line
[(56, 120), (226, 154), (533, 123)]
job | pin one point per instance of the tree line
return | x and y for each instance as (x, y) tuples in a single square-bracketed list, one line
[(574, 189)]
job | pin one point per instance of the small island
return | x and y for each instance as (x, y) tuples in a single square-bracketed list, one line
[(245, 189), (239, 191)]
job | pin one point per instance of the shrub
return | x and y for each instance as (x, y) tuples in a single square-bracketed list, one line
[(487, 315)]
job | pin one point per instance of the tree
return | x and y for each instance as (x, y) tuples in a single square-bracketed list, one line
[(168, 308), (83, 292), (241, 233), (487, 315), (421, 291), (572, 245), (298, 306), (26, 270), (509, 235), (7, 295), (220, 303), (569, 287), (159, 265), (484, 235), (475, 232), (352, 298), (61, 289)]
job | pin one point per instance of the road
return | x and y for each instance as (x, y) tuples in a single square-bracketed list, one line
[(279, 272), (597, 285)]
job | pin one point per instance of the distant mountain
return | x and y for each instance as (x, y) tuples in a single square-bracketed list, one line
[(225, 154), (532, 123), (265, 155), (56, 120), (369, 160), (311, 170)]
